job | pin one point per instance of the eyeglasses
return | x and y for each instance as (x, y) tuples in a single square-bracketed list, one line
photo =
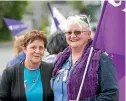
[(74, 32)]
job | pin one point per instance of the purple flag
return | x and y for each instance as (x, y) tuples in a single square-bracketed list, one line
[(54, 18), (15, 26), (110, 37)]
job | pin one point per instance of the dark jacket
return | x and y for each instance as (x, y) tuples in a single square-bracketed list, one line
[(12, 83)]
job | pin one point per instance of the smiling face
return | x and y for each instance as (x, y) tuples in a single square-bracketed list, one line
[(76, 40), (34, 52)]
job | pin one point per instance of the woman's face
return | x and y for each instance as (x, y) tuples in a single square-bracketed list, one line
[(78, 38), (34, 52)]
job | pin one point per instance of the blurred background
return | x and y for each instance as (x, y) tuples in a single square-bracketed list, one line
[(36, 15)]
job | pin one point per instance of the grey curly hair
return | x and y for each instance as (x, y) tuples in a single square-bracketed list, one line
[(81, 20)]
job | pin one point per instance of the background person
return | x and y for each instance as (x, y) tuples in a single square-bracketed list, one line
[(56, 43), (30, 79), (18, 53)]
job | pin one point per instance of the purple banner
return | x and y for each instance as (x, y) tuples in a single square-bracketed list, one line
[(110, 37), (54, 18), (15, 26)]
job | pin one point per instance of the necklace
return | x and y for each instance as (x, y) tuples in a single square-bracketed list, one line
[(32, 75), (35, 79)]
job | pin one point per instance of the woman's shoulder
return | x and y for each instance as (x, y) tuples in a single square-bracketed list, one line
[(105, 57), (46, 64), (106, 63), (13, 67), (50, 58), (10, 71), (46, 67)]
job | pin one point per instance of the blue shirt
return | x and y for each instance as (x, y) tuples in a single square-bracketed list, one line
[(21, 57), (33, 85), (50, 58), (60, 82)]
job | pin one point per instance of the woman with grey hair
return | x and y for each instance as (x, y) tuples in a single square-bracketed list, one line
[(100, 82)]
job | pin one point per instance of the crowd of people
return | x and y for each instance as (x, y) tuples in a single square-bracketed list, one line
[(28, 77)]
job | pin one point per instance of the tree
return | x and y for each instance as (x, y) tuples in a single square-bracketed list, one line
[(79, 6), (45, 20), (88, 9), (10, 9)]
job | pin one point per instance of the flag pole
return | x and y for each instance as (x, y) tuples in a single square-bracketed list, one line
[(87, 64)]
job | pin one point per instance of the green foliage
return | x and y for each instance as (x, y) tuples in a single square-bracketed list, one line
[(10, 9), (84, 9), (45, 21), (92, 11), (79, 6), (44, 25)]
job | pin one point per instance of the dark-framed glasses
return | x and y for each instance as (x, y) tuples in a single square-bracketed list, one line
[(76, 32)]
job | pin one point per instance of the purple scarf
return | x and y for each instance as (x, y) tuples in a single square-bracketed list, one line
[(74, 80)]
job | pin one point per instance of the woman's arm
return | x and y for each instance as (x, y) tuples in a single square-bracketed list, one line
[(108, 84), (5, 85)]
